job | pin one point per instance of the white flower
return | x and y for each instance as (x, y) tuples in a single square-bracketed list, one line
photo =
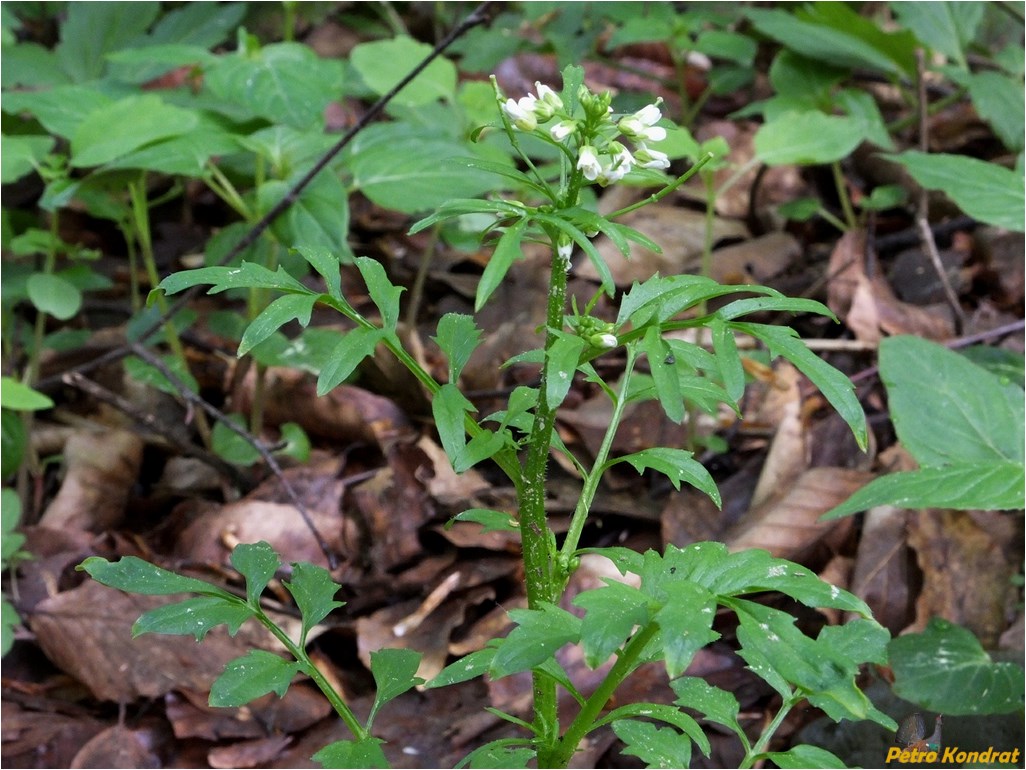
[(564, 251), (648, 158), (618, 167), (548, 96), (641, 126), (588, 162), (563, 129), (606, 341), (522, 112)]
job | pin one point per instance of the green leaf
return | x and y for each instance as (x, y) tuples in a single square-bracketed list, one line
[(318, 218), (126, 125), (54, 295), (132, 574), (15, 395), (663, 366), (383, 63), (498, 754), (297, 443), (328, 265), (715, 704), (349, 352), (61, 109), (384, 294), (804, 756), (395, 672), (21, 155), (353, 755), (314, 591), (741, 307), (282, 310), (13, 441), (10, 515), (492, 521), (985, 191), (8, 621), (729, 360), (988, 486), (230, 446), (185, 155), (248, 275), (560, 365), (655, 746), (148, 374), (194, 616), (507, 250), (458, 336), (685, 623), (449, 408), (537, 637), (835, 386), (806, 139), (944, 669), (946, 409), (668, 714), (92, 30), (251, 676), (612, 613), (947, 27), (466, 668), (257, 563), (677, 465)]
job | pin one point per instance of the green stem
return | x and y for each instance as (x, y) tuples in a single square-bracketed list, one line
[(842, 194), (585, 720), (666, 190), (767, 735), (592, 479)]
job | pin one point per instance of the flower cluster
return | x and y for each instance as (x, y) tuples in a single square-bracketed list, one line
[(600, 157)]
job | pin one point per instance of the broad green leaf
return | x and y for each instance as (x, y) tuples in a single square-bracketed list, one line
[(729, 360), (807, 139), (537, 637), (297, 443), (353, 755), (185, 155), (349, 352), (999, 100), (450, 408), (612, 613), (247, 275), (54, 295), (946, 27), (677, 465), (230, 446), (722, 44), (282, 82), (946, 409), (560, 365), (132, 574), (483, 446), (668, 714), (15, 395), (199, 24), (655, 746), (685, 624), (139, 65), (30, 65), (384, 294), (945, 669), (314, 591), (985, 191), (383, 63), (257, 563), (328, 265), (663, 367), (491, 521), (21, 155), (110, 132), (194, 617), (60, 109), (466, 668), (318, 218), (8, 620), (148, 374), (861, 639), (716, 705), (835, 386), (282, 310), (989, 486), (506, 252), (804, 756), (91, 30), (458, 336), (251, 676), (395, 672)]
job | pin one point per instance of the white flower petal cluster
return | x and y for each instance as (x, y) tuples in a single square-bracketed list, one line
[(527, 112)]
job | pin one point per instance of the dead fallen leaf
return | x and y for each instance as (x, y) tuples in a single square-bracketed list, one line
[(43, 738), (255, 753), (443, 483), (883, 576), (117, 747)]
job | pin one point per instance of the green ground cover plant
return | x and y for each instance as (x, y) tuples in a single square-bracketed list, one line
[(507, 170)]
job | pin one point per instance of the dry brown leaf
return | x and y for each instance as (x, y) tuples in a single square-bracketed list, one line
[(787, 524), (117, 747), (883, 574), (787, 458), (443, 483), (756, 260), (100, 471), (255, 753), (87, 632), (46, 738)]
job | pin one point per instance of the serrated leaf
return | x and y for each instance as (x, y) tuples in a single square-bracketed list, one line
[(248, 275), (677, 465), (282, 310), (492, 521), (131, 573), (328, 265), (383, 293), (251, 676), (537, 637), (668, 714), (485, 444), (835, 386), (458, 336), (560, 365), (989, 486), (685, 624), (507, 250), (945, 669), (353, 755), (715, 704), (655, 746), (194, 616), (612, 613), (257, 563), (663, 367), (395, 672), (350, 351), (314, 591)]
